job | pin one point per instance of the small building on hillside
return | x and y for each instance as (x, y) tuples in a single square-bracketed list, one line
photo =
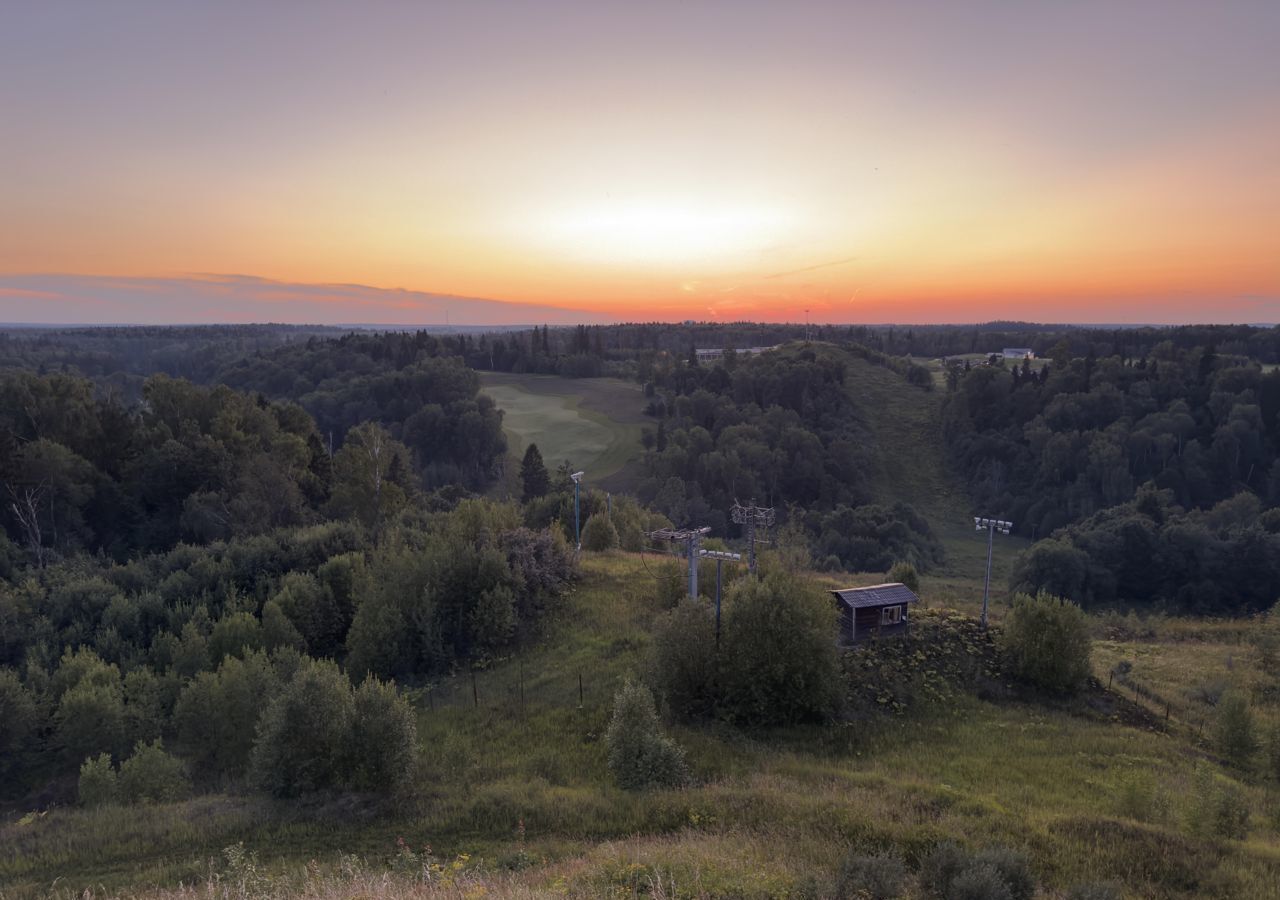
[(1018, 353), (875, 611)]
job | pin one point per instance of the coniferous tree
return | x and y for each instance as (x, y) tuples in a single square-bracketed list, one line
[(533, 474)]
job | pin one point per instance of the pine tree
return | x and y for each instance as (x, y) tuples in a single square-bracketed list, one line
[(533, 474)]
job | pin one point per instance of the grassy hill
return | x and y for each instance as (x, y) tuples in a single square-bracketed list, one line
[(910, 465), (514, 798), (592, 422)]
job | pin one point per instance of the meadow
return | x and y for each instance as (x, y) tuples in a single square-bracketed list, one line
[(513, 795), (594, 423)]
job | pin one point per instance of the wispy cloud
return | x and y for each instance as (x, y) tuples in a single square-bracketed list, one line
[(91, 299)]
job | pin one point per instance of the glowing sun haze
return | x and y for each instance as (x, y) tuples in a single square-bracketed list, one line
[(867, 161)]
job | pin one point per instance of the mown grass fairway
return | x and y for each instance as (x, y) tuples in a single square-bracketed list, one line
[(592, 422), (514, 789)]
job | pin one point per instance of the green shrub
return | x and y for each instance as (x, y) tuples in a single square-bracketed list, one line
[(1218, 807), (302, 734), (150, 775), (904, 573), (684, 665), (870, 878), (383, 744), (1046, 643), (217, 714), (778, 651), (941, 867), (980, 882), (599, 534), (1234, 735), (640, 755), (98, 781), (1014, 869), (1138, 798)]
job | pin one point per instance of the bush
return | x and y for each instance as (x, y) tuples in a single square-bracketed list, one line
[(684, 668), (1014, 870), (383, 744), (599, 535), (941, 867), (217, 714), (980, 882), (778, 651), (1046, 643), (904, 573), (98, 781), (1218, 807), (302, 734), (1234, 733), (870, 878), (640, 755), (151, 775), (951, 873)]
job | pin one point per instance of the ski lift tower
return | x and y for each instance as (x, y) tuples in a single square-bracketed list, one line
[(690, 538), (752, 517)]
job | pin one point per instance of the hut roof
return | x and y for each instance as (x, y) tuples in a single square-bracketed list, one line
[(877, 595)]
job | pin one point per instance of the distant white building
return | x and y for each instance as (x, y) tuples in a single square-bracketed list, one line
[(1018, 353)]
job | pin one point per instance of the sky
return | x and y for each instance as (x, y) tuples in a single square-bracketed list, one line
[(586, 160)]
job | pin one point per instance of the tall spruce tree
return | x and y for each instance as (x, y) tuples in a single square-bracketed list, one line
[(533, 474)]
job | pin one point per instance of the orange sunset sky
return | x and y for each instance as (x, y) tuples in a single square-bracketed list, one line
[(868, 162)]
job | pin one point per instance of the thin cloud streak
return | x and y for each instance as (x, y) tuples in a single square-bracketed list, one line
[(87, 299)]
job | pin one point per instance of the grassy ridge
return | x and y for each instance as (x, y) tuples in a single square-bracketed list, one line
[(768, 811), (592, 422)]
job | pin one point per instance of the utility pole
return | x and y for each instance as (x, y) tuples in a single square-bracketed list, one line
[(992, 526), (752, 516), (719, 556), (577, 529), (691, 538)]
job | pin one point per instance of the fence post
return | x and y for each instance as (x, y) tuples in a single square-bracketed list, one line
[(522, 689), (579, 689), (475, 694)]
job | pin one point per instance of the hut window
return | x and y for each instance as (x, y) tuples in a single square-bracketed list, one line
[(891, 615)]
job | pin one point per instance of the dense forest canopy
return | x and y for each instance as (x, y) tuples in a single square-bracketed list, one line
[(782, 428), (1191, 411)]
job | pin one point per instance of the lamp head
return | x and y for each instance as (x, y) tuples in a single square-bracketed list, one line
[(577, 476)]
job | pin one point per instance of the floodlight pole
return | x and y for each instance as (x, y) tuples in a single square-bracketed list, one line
[(719, 556), (981, 522), (577, 530)]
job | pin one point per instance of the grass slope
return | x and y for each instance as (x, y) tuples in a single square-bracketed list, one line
[(592, 422), (910, 465), (514, 791)]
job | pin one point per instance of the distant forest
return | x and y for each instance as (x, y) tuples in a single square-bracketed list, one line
[(1116, 444)]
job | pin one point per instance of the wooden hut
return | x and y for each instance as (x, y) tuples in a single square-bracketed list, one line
[(873, 611)]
